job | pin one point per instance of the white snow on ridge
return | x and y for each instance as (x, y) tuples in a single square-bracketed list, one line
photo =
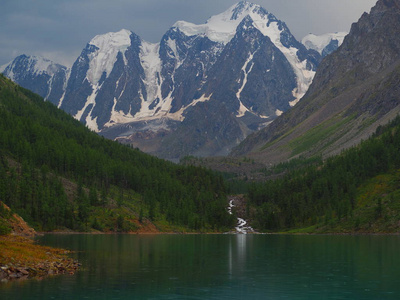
[(103, 60), (35, 64), (41, 65), (319, 42), (221, 28)]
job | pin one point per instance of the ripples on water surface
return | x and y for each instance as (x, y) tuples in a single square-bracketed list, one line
[(221, 267)]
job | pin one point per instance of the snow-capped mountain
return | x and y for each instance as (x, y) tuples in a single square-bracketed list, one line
[(354, 92), (200, 91), (324, 44), (37, 74)]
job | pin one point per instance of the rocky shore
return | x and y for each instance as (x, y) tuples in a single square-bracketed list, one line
[(21, 258), (11, 272)]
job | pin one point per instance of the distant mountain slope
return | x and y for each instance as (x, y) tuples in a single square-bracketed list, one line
[(200, 91), (355, 90), (39, 75), (324, 44), (57, 174)]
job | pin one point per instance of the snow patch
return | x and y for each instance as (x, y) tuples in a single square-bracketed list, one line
[(178, 116), (90, 123), (119, 117), (243, 109), (67, 76), (278, 112)]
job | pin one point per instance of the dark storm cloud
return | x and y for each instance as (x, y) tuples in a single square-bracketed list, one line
[(59, 29)]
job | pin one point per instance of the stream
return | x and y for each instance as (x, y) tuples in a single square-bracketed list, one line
[(242, 226)]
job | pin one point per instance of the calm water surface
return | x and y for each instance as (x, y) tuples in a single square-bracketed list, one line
[(221, 267)]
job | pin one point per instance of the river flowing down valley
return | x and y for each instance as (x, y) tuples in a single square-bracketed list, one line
[(242, 226)]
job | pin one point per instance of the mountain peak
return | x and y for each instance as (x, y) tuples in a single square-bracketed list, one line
[(35, 65), (108, 46), (244, 8), (118, 39), (221, 28)]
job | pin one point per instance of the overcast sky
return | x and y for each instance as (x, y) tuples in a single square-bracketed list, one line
[(60, 29)]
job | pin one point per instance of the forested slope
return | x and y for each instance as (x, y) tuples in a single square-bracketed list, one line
[(58, 174), (357, 191)]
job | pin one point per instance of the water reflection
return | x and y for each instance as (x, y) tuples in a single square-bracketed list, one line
[(238, 244), (222, 267)]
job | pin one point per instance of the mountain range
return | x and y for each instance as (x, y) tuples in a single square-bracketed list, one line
[(200, 91), (355, 90)]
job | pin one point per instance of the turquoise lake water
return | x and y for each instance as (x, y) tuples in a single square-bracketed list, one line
[(221, 267)]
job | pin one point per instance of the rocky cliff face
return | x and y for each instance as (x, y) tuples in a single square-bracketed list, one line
[(355, 89), (200, 91)]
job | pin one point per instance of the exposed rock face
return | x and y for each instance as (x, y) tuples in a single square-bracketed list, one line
[(355, 89), (18, 225), (204, 87), (39, 75)]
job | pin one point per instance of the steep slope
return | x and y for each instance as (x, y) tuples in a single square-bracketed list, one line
[(57, 174), (218, 81), (356, 191), (355, 90)]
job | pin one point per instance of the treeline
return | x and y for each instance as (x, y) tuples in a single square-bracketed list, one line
[(319, 194), (48, 145)]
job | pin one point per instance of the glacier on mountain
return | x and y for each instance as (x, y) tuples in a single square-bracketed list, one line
[(242, 67), (107, 45)]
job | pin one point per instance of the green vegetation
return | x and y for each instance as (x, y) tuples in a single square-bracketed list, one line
[(355, 191), (57, 174), (5, 216), (316, 134), (21, 257)]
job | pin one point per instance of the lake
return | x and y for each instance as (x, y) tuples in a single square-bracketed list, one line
[(221, 267)]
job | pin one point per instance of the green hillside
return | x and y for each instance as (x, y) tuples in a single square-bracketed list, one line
[(356, 191), (57, 174)]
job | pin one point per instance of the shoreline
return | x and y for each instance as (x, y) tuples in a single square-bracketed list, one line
[(22, 258), (206, 233)]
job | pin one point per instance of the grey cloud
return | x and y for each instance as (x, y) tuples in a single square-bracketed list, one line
[(60, 29)]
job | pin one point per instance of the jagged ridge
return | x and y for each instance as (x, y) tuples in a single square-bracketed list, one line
[(243, 63), (354, 91)]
